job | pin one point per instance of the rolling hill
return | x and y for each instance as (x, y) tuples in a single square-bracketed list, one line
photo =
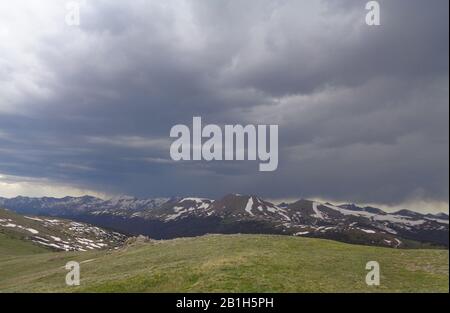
[(223, 263)]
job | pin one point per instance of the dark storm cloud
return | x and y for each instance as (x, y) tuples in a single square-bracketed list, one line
[(363, 111)]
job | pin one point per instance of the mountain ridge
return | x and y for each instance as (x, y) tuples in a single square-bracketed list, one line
[(165, 218), (125, 198)]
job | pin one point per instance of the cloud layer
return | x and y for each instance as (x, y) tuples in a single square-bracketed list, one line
[(362, 111)]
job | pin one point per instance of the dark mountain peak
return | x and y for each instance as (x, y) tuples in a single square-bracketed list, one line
[(231, 201), (247, 206), (67, 198), (441, 216), (303, 207), (235, 196), (351, 206), (370, 209), (300, 203), (409, 213), (122, 198), (21, 198), (374, 210)]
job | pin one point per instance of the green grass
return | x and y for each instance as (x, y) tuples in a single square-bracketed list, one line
[(11, 247), (234, 263)]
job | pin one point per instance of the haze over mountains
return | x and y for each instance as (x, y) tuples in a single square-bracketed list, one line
[(164, 218)]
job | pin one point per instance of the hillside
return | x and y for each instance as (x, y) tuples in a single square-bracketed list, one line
[(58, 234), (225, 263)]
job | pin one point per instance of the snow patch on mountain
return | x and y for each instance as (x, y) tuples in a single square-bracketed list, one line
[(301, 233), (59, 234), (377, 217), (367, 231), (437, 220), (248, 207), (196, 200), (317, 213)]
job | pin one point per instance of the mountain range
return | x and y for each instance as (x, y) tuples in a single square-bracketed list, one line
[(166, 218)]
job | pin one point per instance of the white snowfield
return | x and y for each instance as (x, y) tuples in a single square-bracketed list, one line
[(34, 218), (264, 207), (368, 231), (200, 205), (204, 205), (316, 210), (301, 233), (282, 212), (393, 218), (7, 223), (196, 200), (248, 207), (180, 211)]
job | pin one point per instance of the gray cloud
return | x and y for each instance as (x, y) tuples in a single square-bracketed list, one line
[(363, 111)]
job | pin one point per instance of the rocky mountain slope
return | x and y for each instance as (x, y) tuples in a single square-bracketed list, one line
[(164, 218), (58, 234)]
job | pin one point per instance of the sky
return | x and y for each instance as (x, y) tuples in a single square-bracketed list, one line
[(363, 111)]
